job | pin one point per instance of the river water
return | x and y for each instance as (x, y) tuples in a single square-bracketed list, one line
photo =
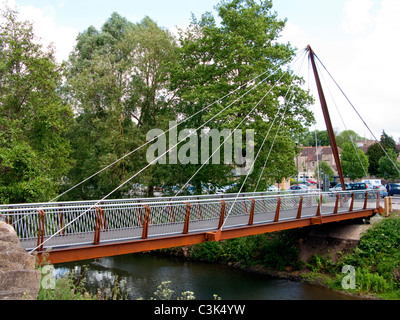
[(143, 273)]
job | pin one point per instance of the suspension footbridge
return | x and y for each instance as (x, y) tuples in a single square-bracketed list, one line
[(79, 230), (115, 227)]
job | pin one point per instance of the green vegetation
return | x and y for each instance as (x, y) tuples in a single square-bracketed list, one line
[(376, 261), (34, 119), (354, 162), (72, 287), (61, 123), (276, 251)]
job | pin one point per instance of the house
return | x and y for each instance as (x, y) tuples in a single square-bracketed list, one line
[(309, 158), (365, 144)]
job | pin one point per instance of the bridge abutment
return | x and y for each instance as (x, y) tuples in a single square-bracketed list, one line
[(18, 277)]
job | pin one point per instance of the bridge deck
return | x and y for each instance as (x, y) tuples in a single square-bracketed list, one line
[(99, 232)]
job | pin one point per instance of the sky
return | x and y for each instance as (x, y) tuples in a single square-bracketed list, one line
[(356, 40)]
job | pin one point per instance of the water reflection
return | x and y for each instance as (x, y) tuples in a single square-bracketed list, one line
[(142, 273)]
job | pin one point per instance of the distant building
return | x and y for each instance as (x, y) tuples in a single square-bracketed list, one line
[(310, 157), (365, 144)]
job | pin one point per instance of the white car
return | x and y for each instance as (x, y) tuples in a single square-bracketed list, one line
[(273, 188)]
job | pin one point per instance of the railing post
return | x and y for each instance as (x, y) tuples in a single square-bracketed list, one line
[(337, 203), (199, 210), (365, 200), (9, 220), (300, 208), (251, 218), (319, 206), (278, 208), (41, 225), (352, 202), (378, 200), (145, 232), (61, 220), (187, 218), (222, 214), (171, 213), (100, 222)]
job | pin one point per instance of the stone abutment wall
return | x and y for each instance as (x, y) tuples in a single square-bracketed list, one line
[(18, 277)]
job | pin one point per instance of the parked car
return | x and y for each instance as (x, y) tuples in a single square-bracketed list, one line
[(338, 188), (393, 188), (273, 188), (359, 186), (299, 188), (382, 190)]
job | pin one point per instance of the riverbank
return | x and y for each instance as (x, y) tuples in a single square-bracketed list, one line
[(292, 264), (372, 250)]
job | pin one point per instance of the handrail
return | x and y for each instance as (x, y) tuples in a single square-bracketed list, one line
[(163, 200)]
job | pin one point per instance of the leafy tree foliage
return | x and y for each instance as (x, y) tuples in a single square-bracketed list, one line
[(34, 151), (325, 168), (347, 136), (375, 152), (117, 84), (354, 162), (389, 167), (220, 58), (310, 138)]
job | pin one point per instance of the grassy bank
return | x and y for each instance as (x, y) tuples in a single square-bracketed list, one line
[(375, 261)]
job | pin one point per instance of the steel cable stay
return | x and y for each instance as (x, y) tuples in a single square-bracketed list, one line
[(276, 134), (234, 130), (156, 159), (249, 83), (358, 114), (231, 133), (343, 122), (259, 151)]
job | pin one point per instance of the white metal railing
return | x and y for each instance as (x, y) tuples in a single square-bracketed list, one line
[(74, 223)]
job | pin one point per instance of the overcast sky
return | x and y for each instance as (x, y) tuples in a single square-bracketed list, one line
[(357, 40)]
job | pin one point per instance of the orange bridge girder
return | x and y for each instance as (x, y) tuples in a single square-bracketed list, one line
[(144, 245)]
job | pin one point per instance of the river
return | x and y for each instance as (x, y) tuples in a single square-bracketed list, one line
[(143, 273)]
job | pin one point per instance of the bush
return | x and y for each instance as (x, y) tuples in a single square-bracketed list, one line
[(377, 258), (276, 251), (374, 282)]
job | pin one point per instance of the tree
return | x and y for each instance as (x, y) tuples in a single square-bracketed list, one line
[(117, 82), (388, 143), (389, 167), (219, 58), (310, 138), (34, 150), (324, 168), (376, 152), (347, 136), (354, 162)]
